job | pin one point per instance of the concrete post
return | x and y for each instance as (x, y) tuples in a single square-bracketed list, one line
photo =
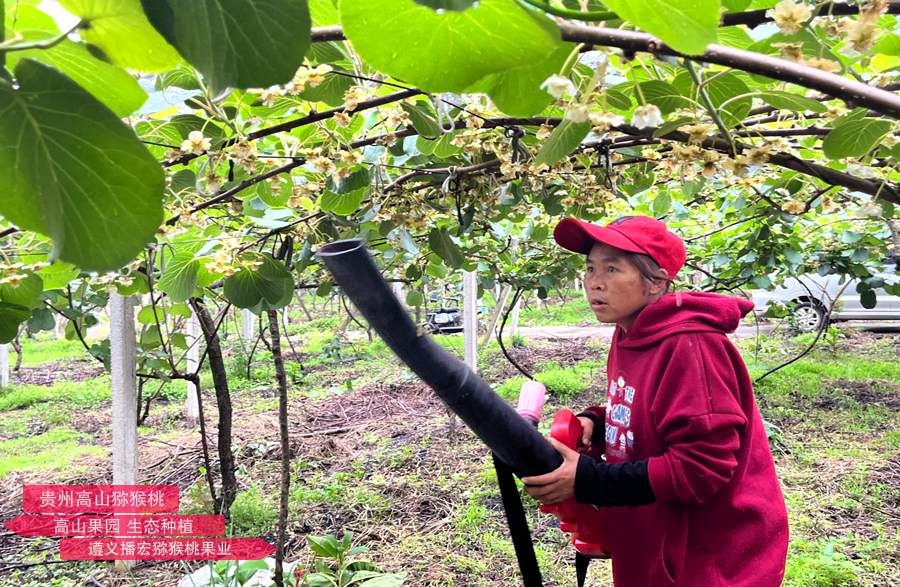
[(124, 394), (192, 408), (248, 320), (4, 365), (514, 317), (470, 319)]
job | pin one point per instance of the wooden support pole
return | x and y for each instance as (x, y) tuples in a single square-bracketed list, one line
[(495, 315), (470, 320)]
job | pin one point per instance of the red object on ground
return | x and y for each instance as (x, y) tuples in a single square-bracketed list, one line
[(100, 499), (586, 523), (164, 549), (114, 525)]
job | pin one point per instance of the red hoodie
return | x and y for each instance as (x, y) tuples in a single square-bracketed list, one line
[(679, 395)]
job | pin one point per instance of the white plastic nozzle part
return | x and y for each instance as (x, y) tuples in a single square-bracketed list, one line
[(531, 400)]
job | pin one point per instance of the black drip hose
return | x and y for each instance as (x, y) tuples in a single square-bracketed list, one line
[(521, 369)]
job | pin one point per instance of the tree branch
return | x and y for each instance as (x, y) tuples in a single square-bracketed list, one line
[(308, 119)]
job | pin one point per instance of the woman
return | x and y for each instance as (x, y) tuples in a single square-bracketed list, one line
[(688, 477)]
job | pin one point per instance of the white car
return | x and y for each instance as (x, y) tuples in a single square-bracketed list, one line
[(810, 296)]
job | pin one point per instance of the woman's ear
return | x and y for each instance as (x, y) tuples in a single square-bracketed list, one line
[(658, 287)]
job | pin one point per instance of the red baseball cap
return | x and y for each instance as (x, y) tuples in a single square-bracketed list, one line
[(636, 234)]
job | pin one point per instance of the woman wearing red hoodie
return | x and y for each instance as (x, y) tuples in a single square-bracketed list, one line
[(689, 480)]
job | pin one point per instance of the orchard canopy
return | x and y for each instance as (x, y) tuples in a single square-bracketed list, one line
[(205, 149)]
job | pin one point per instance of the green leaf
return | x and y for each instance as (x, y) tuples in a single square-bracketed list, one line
[(414, 298), (671, 126), (109, 83), (326, 546), (74, 171), (237, 43), (345, 199), (662, 203), (617, 99), (331, 91), (685, 25), (447, 52), (385, 580), (179, 280), (341, 204), (324, 12), (734, 36), (26, 293), (736, 5), (517, 91), (11, 315), (121, 30), (422, 119), (41, 319), (182, 310), (270, 197), (146, 315), (793, 102), (440, 242), (721, 90), (867, 298), (663, 95), (57, 275), (184, 180), (564, 139), (271, 285), (855, 138), (888, 44)]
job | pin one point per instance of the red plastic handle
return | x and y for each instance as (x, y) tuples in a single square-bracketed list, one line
[(586, 523)]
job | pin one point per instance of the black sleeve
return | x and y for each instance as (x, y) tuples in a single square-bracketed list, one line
[(620, 484), (598, 436)]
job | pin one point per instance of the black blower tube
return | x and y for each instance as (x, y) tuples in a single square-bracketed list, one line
[(496, 423)]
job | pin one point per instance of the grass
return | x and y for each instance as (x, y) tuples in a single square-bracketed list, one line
[(54, 450), (562, 382), (573, 312), (44, 348), (89, 392)]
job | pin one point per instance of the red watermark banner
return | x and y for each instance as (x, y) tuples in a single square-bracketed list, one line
[(100, 499), (110, 525), (165, 549)]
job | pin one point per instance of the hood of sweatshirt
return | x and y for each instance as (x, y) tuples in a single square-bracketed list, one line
[(680, 312)]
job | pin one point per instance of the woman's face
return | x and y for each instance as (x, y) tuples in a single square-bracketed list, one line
[(615, 288)]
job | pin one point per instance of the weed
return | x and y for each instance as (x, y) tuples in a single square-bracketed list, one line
[(819, 564), (54, 450), (46, 348), (252, 513)]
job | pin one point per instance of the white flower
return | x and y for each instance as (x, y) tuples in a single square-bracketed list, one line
[(603, 121), (558, 86), (861, 171), (794, 207), (871, 209), (196, 143), (647, 116), (790, 16), (578, 113)]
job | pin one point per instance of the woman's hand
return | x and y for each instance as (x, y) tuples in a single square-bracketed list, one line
[(587, 431), (557, 485)]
